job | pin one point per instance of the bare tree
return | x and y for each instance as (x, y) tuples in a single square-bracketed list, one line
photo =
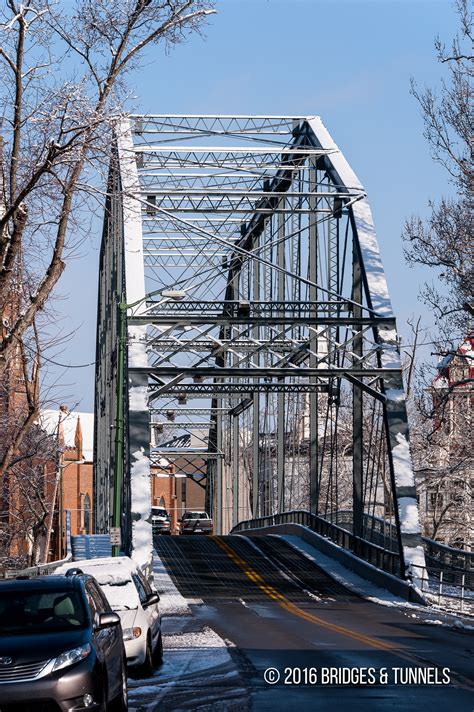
[(443, 457), (27, 499), (440, 410), (63, 89), (444, 240)]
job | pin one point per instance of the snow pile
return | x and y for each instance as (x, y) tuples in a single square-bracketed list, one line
[(114, 575), (107, 568), (108, 579), (459, 624), (205, 638)]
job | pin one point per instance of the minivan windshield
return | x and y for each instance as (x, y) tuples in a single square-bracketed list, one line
[(40, 611)]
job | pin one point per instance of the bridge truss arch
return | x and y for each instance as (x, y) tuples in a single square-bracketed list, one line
[(245, 329)]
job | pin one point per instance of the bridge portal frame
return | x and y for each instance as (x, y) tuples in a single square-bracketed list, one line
[(123, 434)]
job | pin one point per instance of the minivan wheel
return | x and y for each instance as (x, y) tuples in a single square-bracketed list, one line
[(146, 668), (158, 652)]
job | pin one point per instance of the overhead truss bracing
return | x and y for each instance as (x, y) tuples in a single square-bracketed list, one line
[(244, 316)]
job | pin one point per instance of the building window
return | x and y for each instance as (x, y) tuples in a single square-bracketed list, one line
[(436, 500), (87, 514)]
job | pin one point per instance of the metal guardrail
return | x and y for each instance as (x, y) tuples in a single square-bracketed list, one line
[(457, 565), (376, 555), (443, 589), (448, 556)]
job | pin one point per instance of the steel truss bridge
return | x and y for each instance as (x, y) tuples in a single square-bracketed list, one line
[(245, 324)]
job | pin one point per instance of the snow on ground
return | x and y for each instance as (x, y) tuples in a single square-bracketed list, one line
[(449, 624), (198, 672)]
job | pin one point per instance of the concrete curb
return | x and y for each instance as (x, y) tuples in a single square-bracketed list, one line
[(362, 568)]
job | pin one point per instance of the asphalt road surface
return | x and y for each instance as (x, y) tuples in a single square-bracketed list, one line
[(329, 648)]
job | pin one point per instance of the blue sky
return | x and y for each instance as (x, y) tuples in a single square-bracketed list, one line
[(349, 61)]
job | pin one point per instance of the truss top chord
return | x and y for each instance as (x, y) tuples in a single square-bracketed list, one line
[(264, 117), (283, 149)]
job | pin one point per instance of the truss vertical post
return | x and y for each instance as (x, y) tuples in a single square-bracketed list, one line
[(266, 507), (235, 470), (218, 468), (256, 294), (119, 425), (281, 396), (357, 402), (313, 360), (256, 455)]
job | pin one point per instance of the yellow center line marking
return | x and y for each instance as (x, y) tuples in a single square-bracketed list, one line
[(293, 608), (462, 682)]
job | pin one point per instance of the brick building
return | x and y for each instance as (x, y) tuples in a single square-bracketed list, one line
[(75, 433)]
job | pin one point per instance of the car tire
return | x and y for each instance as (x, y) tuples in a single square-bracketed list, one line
[(158, 651), (146, 668), (120, 703)]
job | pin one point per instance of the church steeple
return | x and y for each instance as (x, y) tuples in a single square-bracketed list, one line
[(78, 437)]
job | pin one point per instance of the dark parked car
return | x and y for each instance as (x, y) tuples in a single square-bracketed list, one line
[(61, 646), (195, 523)]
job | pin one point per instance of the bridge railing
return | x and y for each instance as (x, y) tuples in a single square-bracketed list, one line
[(457, 565), (376, 555), (450, 570)]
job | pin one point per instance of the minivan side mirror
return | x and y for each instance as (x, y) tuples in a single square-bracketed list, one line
[(151, 600), (106, 620)]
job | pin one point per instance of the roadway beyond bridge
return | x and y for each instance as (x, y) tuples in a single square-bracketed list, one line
[(276, 609)]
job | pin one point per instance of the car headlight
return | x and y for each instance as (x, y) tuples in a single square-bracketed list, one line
[(71, 656), (131, 633)]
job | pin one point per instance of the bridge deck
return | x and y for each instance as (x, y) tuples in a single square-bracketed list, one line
[(277, 609)]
